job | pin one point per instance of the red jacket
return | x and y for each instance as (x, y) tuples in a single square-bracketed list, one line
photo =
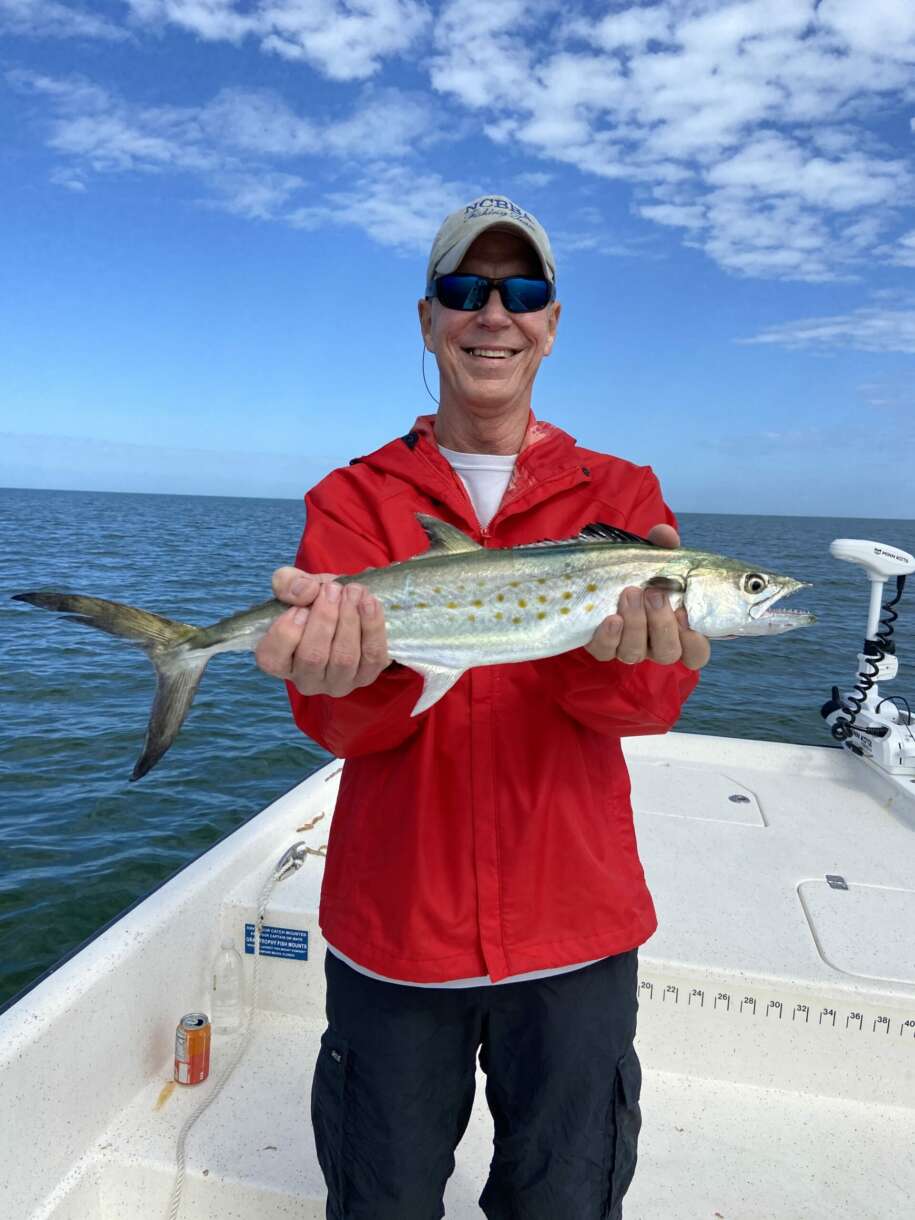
[(491, 834)]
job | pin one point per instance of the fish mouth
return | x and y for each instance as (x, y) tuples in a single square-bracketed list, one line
[(784, 617)]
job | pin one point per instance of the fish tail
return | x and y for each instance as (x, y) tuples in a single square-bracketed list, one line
[(178, 669)]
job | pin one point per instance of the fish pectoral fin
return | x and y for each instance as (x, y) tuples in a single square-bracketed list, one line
[(437, 682), (669, 584), (444, 539)]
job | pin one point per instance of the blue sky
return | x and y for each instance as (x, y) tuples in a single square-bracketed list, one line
[(217, 215)]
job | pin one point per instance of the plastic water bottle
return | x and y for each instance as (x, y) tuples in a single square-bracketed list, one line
[(227, 990)]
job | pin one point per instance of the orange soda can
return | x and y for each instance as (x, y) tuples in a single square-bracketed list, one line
[(192, 1048)]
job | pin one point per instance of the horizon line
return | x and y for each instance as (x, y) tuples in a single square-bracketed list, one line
[(213, 495)]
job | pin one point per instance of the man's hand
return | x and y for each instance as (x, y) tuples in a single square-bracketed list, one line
[(330, 641), (645, 627)]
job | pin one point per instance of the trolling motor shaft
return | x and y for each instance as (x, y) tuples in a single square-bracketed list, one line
[(877, 730)]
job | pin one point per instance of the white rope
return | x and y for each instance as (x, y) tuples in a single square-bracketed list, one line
[(175, 1202)]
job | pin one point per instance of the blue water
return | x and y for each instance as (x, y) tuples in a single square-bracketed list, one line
[(79, 843)]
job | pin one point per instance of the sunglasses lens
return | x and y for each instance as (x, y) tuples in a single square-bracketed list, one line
[(467, 292), (471, 292), (523, 295)]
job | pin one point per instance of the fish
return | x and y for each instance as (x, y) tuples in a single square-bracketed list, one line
[(458, 605)]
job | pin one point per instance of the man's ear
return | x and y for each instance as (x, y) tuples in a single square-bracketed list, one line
[(552, 324), (425, 323)]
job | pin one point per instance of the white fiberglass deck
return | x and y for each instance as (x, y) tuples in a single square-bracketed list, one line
[(776, 1022)]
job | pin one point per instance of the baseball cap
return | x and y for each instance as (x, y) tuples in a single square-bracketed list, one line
[(463, 227)]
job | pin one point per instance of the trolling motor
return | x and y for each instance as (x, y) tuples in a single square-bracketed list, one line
[(880, 731)]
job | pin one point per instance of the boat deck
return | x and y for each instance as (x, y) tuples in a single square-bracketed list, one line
[(707, 1147), (776, 1020)]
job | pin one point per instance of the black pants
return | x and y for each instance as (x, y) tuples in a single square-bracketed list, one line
[(394, 1084)]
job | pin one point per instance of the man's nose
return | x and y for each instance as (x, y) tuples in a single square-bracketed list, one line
[(494, 314)]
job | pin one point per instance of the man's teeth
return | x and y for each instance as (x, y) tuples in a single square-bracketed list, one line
[(498, 353)]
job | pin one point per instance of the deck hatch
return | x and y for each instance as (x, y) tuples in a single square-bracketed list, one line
[(862, 930), (683, 791)]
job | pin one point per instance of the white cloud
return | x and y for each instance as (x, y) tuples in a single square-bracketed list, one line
[(751, 126), (771, 164), (743, 122), (394, 205), (903, 252), (873, 328), (343, 39), (886, 28), (244, 147), (50, 19), (254, 196), (71, 180), (534, 180)]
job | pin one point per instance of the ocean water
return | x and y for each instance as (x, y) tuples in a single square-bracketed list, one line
[(79, 843)]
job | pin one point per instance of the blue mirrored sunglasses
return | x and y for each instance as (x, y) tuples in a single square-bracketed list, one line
[(519, 293)]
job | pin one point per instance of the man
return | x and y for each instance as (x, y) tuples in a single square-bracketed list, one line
[(482, 888)]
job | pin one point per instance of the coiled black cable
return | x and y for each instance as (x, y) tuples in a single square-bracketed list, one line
[(882, 644)]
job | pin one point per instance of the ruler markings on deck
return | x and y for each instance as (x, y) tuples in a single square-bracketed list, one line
[(775, 1010)]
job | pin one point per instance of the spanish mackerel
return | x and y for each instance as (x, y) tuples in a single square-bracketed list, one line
[(458, 605)]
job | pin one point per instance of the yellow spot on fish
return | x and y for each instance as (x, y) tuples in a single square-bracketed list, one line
[(472, 617), (478, 603), (452, 606), (522, 603), (591, 588), (541, 582), (542, 600), (589, 607), (437, 589), (517, 618), (499, 615), (422, 605), (541, 614), (564, 610), (396, 606), (500, 597), (566, 596), (514, 583)]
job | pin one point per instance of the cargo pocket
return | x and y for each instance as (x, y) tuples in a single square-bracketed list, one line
[(328, 1089), (623, 1125)]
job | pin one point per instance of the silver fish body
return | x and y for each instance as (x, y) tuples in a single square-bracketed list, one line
[(459, 605)]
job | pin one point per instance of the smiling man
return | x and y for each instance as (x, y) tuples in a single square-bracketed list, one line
[(483, 891)]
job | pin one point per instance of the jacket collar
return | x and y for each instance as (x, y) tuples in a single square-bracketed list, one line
[(548, 461)]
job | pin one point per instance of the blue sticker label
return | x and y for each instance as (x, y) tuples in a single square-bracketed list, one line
[(279, 942)]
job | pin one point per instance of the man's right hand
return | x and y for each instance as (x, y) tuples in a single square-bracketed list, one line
[(330, 641)]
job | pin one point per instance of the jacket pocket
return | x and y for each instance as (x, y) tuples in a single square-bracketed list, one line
[(623, 1126), (328, 1106)]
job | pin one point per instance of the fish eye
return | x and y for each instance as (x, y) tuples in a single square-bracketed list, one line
[(753, 582)]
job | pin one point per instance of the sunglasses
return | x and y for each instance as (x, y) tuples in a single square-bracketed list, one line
[(519, 293)]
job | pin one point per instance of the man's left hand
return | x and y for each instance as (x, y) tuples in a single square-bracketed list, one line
[(646, 628)]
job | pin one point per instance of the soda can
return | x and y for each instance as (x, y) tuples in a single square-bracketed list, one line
[(192, 1048)]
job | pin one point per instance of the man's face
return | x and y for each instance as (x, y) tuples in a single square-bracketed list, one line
[(488, 360)]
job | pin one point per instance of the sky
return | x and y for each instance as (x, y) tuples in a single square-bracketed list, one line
[(217, 214)]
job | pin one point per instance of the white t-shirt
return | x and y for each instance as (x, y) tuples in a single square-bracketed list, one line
[(486, 476)]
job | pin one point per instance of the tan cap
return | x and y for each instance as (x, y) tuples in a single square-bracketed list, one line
[(462, 227)]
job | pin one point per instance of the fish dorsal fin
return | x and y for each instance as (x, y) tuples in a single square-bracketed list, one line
[(444, 539), (597, 530)]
